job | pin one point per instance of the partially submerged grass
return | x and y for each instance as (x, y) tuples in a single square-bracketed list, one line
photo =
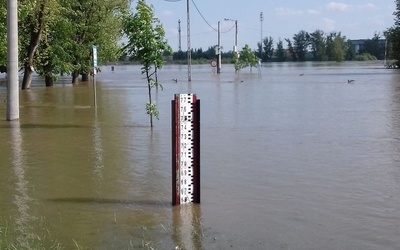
[(12, 239), (142, 237)]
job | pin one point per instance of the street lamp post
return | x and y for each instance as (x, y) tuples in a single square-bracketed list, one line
[(235, 49), (261, 20)]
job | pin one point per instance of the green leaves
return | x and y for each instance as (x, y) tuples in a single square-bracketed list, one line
[(151, 109), (247, 58), (146, 44), (69, 30), (145, 35), (336, 46), (393, 35), (3, 34)]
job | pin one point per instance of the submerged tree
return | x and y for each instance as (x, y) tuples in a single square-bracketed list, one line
[(247, 58), (56, 36), (336, 47), (35, 16), (266, 49), (95, 22), (301, 42), (318, 45), (291, 50), (393, 35), (280, 51), (146, 44)]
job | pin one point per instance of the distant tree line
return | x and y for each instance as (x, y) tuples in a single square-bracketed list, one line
[(199, 54), (320, 46), (303, 46)]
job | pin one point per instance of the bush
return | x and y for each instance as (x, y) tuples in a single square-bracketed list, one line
[(365, 57)]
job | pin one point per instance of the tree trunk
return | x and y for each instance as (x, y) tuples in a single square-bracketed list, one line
[(36, 35), (27, 80), (75, 76), (48, 74), (49, 80), (85, 77), (149, 89)]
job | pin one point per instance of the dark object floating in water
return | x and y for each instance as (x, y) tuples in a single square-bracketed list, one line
[(350, 81), (175, 80)]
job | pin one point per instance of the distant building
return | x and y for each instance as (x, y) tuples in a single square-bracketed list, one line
[(373, 47)]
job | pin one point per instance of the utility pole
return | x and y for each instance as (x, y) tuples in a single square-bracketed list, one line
[(261, 20), (189, 50), (12, 61), (179, 31), (219, 50), (236, 37), (261, 41), (235, 49)]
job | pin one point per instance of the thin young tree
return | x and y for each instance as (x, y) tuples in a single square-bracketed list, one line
[(247, 58), (146, 44)]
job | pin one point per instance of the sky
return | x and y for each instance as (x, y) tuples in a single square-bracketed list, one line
[(355, 19)]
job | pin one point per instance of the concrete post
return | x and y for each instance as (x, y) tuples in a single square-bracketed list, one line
[(12, 61), (219, 50)]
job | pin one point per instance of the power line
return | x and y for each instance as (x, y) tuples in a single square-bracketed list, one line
[(228, 29), (267, 31), (184, 34), (203, 16)]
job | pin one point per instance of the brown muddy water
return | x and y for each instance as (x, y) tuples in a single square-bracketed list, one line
[(292, 157)]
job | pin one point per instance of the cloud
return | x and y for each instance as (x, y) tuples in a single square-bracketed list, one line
[(328, 25), (368, 7), (334, 6), (288, 13), (376, 22), (313, 12), (167, 13)]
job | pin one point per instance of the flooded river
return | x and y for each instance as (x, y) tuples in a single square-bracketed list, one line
[(292, 157)]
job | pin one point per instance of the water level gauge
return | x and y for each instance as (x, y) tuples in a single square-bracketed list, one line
[(185, 149)]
